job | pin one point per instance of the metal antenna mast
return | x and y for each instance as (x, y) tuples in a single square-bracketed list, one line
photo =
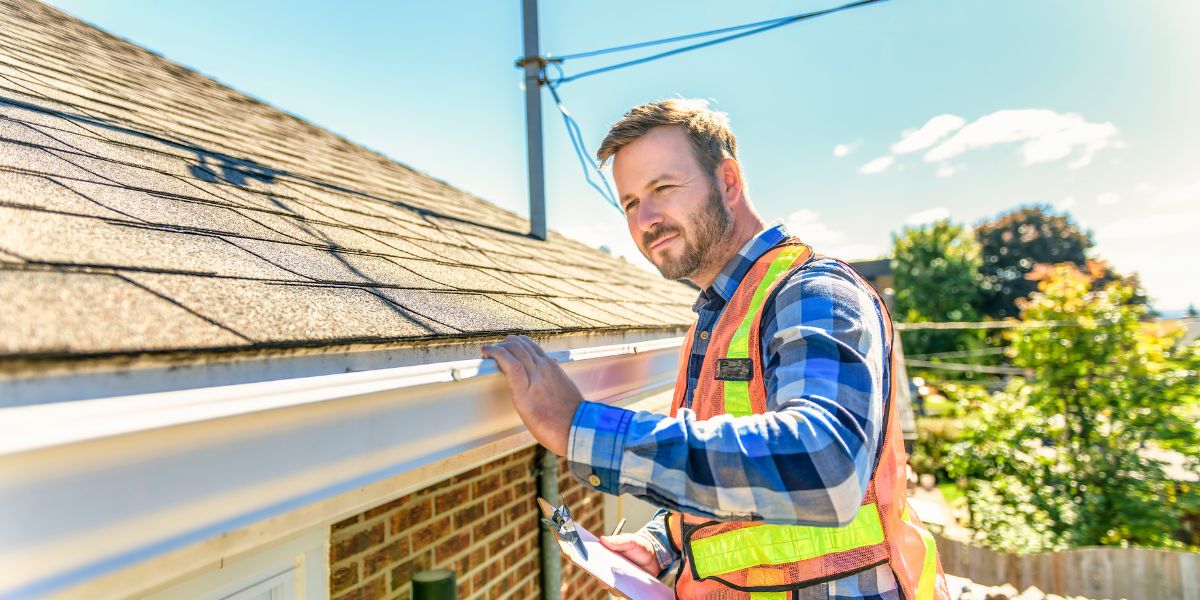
[(533, 64)]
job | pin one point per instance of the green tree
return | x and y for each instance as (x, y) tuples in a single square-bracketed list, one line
[(936, 270), (1014, 243), (1074, 447)]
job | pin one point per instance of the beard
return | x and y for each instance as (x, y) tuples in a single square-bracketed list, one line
[(701, 239)]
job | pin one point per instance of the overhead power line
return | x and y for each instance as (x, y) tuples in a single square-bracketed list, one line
[(533, 62), (585, 158), (963, 367), (959, 353), (984, 325), (745, 30)]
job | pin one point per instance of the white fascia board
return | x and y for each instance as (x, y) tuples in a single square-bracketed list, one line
[(92, 487)]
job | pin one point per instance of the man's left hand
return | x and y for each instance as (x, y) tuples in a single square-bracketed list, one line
[(545, 398)]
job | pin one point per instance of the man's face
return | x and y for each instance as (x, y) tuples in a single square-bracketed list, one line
[(674, 210)]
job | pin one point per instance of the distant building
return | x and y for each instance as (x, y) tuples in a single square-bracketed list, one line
[(879, 273)]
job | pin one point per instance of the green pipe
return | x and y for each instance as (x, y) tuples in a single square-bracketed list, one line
[(437, 584), (547, 486)]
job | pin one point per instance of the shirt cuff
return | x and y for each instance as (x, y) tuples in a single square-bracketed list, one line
[(662, 552), (596, 443)]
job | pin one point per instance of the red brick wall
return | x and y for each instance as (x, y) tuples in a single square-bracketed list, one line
[(481, 524)]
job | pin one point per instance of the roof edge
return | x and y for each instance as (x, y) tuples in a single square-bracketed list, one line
[(42, 380)]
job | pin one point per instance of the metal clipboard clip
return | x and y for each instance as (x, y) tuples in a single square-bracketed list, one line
[(559, 521)]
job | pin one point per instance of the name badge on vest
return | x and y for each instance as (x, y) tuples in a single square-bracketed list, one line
[(734, 369)]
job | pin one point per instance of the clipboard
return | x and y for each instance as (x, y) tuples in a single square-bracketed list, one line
[(621, 577)]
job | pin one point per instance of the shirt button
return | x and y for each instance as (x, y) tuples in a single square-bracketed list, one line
[(594, 480), (704, 335)]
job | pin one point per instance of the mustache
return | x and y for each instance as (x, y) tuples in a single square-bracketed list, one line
[(660, 233)]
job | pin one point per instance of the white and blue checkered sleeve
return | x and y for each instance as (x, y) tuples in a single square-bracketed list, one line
[(807, 460)]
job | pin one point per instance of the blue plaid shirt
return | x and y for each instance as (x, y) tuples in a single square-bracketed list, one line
[(806, 461)]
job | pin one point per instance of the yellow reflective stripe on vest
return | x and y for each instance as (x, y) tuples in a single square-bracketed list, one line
[(929, 567), (779, 544), (737, 393), (768, 596)]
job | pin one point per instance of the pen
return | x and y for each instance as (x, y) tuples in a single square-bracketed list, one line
[(618, 528)]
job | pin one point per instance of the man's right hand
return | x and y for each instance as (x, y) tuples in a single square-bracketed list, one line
[(635, 548)]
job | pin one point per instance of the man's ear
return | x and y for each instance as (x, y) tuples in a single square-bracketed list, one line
[(729, 181)]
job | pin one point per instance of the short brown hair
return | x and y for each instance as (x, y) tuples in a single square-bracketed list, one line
[(708, 130)]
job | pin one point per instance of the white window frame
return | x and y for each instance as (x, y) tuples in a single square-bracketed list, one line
[(298, 566)]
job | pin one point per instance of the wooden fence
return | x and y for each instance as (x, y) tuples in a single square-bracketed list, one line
[(1102, 572)]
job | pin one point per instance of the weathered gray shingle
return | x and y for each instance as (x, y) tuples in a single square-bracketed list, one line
[(145, 207)]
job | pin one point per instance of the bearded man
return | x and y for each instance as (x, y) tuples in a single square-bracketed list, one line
[(780, 470)]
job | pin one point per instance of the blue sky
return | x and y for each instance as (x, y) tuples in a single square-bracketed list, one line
[(849, 126)]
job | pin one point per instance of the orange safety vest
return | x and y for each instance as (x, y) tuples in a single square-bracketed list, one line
[(756, 561)]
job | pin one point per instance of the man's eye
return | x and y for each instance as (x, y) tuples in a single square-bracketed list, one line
[(629, 207), (662, 188)]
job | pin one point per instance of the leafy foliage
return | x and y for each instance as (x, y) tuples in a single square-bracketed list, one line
[(1014, 243), (936, 270), (1068, 457)]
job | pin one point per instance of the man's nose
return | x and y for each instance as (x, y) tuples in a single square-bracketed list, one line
[(648, 215)]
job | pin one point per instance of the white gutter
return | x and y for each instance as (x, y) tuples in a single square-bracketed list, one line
[(89, 488)]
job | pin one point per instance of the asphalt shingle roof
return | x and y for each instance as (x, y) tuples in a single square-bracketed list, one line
[(145, 207)]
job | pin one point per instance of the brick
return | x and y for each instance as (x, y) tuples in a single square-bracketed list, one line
[(521, 513), (402, 574), (372, 590), (342, 578), (382, 558), (423, 561), (358, 542), (463, 586), (515, 473), (452, 546), (472, 474), (486, 485), (470, 561), (524, 488), (495, 591), (488, 526), (424, 537), (468, 515), (412, 515), (486, 575), (385, 508), (498, 500), (452, 499), (344, 523), (513, 557), (504, 540)]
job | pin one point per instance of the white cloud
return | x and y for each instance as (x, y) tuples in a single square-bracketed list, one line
[(1048, 136), (844, 150), (947, 170), (1181, 194), (1158, 247), (1108, 198), (1065, 204), (807, 225), (1145, 187), (878, 165), (927, 216), (929, 134)]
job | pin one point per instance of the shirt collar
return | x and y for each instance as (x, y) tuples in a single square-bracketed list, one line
[(732, 273)]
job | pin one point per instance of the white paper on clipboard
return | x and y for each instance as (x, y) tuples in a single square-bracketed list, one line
[(613, 570)]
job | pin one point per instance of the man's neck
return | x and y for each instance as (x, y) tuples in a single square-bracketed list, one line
[(742, 233)]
